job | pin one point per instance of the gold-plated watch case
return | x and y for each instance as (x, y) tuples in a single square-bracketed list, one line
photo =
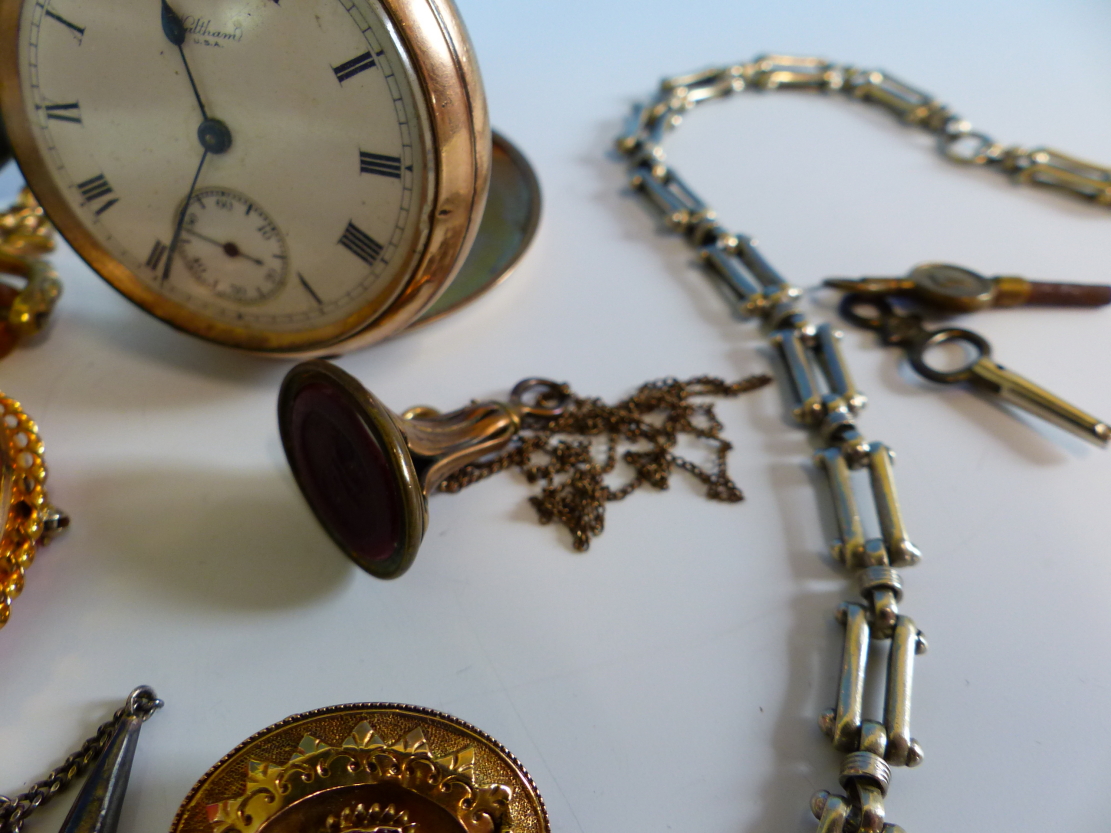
[(443, 73), (366, 767)]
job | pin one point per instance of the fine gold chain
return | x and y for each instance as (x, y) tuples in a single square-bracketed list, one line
[(826, 400), (560, 452)]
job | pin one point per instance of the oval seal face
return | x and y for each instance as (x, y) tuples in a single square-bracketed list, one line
[(366, 768)]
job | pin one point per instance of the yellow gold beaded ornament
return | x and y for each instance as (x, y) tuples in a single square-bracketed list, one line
[(29, 518)]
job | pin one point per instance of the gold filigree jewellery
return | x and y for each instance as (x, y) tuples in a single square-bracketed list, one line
[(25, 237), (29, 519)]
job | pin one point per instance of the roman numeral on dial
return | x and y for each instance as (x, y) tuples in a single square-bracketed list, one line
[(349, 69), (64, 112), (95, 189), (360, 244), (376, 163), (156, 254)]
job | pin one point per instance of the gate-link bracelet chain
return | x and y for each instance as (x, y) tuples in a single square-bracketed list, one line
[(956, 139), (811, 354), (141, 703)]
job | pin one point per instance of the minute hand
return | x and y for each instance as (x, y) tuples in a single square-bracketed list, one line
[(174, 30)]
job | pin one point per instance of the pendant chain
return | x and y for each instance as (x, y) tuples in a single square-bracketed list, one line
[(560, 452), (826, 401), (13, 813)]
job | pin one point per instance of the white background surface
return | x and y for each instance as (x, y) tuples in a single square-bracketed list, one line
[(672, 676)]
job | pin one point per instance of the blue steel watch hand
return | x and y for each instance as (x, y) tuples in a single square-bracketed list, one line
[(213, 134), (181, 220), (174, 30)]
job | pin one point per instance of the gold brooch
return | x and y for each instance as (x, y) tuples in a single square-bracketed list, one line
[(366, 768)]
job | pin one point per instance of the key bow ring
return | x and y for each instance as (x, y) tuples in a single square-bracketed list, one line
[(899, 326), (902, 328)]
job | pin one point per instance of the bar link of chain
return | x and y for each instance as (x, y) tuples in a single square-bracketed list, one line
[(826, 402), (956, 138)]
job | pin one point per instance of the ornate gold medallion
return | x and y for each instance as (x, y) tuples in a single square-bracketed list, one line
[(366, 768)]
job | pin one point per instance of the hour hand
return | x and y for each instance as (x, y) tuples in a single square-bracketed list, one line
[(172, 25)]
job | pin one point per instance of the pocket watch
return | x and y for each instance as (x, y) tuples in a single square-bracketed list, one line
[(287, 178)]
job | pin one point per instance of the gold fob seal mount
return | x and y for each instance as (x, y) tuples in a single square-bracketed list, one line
[(367, 471), (366, 768)]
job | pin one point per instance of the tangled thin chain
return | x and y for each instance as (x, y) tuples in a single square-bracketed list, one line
[(560, 453), (14, 812)]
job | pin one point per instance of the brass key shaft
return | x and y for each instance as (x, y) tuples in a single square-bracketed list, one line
[(1020, 391)]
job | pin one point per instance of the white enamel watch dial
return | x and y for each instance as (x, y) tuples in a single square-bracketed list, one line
[(263, 173)]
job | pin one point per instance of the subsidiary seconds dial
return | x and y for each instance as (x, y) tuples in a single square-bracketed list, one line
[(231, 246)]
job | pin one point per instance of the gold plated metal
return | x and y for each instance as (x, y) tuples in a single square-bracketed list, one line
[(995, 379), (900, 551), (808, 401), (25, 237), (508, 225), (825, 400), (956, 289), (902, 749), (1045, 166), (848, 547), (367, 471), (832, 811), (844, 729), (805, 353), (445, 75), (366, 767), (897, 326), (30, 521), (876, 746)]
